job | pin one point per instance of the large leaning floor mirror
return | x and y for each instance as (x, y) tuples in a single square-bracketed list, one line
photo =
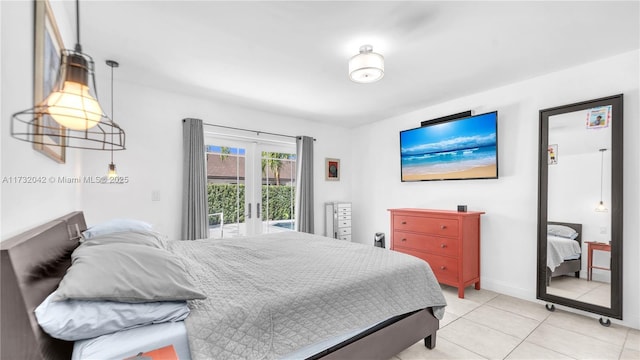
[(580, 207)]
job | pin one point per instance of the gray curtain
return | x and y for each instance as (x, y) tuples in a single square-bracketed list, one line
[(304, 184), (194, 190)]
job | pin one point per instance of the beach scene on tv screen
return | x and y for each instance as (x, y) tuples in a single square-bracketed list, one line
[(459, 149)]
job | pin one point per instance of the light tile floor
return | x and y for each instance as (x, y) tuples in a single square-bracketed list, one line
[(594, 292), (487, 325)]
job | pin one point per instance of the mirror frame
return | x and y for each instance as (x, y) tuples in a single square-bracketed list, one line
[(615, 311)]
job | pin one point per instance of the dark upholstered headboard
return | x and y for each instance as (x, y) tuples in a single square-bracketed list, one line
[(33, 263), (576, 227)]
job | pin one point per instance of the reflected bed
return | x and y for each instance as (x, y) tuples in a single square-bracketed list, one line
[(569, 262)]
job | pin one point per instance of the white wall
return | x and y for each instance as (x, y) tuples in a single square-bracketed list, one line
[(152, 120), (153, 159), (509, 229), (26, 205)]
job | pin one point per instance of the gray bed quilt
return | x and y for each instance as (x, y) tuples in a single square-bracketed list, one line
[(269, 295)]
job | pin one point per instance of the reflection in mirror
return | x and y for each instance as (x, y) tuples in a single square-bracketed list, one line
[(579, 179), (580, 206)]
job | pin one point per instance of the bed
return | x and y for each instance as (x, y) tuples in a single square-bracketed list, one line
[(33, 264), (564, 252)]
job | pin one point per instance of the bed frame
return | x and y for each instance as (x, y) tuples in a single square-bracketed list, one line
[(568, 266), (34, 262)]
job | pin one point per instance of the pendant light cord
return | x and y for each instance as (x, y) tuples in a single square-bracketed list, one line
[(112, 117), (601, 170), (78, 47)]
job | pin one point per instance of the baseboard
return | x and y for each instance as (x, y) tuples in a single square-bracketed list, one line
[(509, 289)]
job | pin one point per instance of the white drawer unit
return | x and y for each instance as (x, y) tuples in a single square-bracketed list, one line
[(338, 220)]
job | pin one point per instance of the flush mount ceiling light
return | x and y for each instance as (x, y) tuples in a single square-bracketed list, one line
[(72, 104), (367, 66)]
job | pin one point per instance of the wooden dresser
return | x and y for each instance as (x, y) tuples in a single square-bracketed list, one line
[(448, 240)]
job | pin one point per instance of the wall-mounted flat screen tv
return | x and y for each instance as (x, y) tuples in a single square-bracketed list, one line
[(458, 149)]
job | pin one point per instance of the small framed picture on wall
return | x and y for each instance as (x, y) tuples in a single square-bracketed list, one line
[(49, 136), (552, 151), (332, 169)]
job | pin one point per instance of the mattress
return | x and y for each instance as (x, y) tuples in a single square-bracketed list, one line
[(560, 249), (130, 342), (127, 343)]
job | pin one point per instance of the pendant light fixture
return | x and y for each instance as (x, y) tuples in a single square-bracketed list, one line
[(73, 105), (601, 207), (367, 66), (112, 167)]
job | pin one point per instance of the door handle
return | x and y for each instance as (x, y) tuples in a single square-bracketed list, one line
[(258, 210), (249, 212)]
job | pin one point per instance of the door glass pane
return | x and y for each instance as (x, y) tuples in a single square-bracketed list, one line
[(226, 191), (278, 191)]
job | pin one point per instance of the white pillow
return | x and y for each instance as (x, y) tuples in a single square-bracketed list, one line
[(80, 319), (562, 231), (138, 237), (116, 225)]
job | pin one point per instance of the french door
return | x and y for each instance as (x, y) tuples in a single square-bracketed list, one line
[(251, 186)]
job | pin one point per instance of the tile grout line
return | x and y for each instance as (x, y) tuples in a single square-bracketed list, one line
[(488, 327), (483, 325), (581, 334), (620, 348), (542, 346), (521, 315)]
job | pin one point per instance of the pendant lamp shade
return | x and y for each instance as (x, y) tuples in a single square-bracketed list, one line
[(367, 66), (73, 105), (111, 173)]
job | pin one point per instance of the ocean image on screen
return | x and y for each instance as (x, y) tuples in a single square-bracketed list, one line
[(460, 149)]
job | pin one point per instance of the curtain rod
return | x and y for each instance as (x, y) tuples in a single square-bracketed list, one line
[(258, 132)]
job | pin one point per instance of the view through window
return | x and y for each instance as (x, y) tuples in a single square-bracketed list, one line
[(236, 185)]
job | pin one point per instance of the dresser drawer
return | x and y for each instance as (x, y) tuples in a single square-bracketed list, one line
[(435, 226), (344, 231), (344, 212), (428, 243), (344, 217), (344, 223), (444, 268), (345, 237)]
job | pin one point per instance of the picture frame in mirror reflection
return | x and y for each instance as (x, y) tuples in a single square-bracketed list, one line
[(552, 153), (568, 193), (599, 117)]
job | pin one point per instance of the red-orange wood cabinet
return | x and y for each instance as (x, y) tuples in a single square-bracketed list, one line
[(448, 240)]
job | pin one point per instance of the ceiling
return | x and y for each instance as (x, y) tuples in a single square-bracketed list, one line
[(291, 58)]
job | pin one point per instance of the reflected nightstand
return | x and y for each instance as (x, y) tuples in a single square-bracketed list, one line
[(592, 245)]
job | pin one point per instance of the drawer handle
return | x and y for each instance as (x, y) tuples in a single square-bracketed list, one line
[(403, 239), (443, 246), (443, 227), (404, 223), (443, 267)]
